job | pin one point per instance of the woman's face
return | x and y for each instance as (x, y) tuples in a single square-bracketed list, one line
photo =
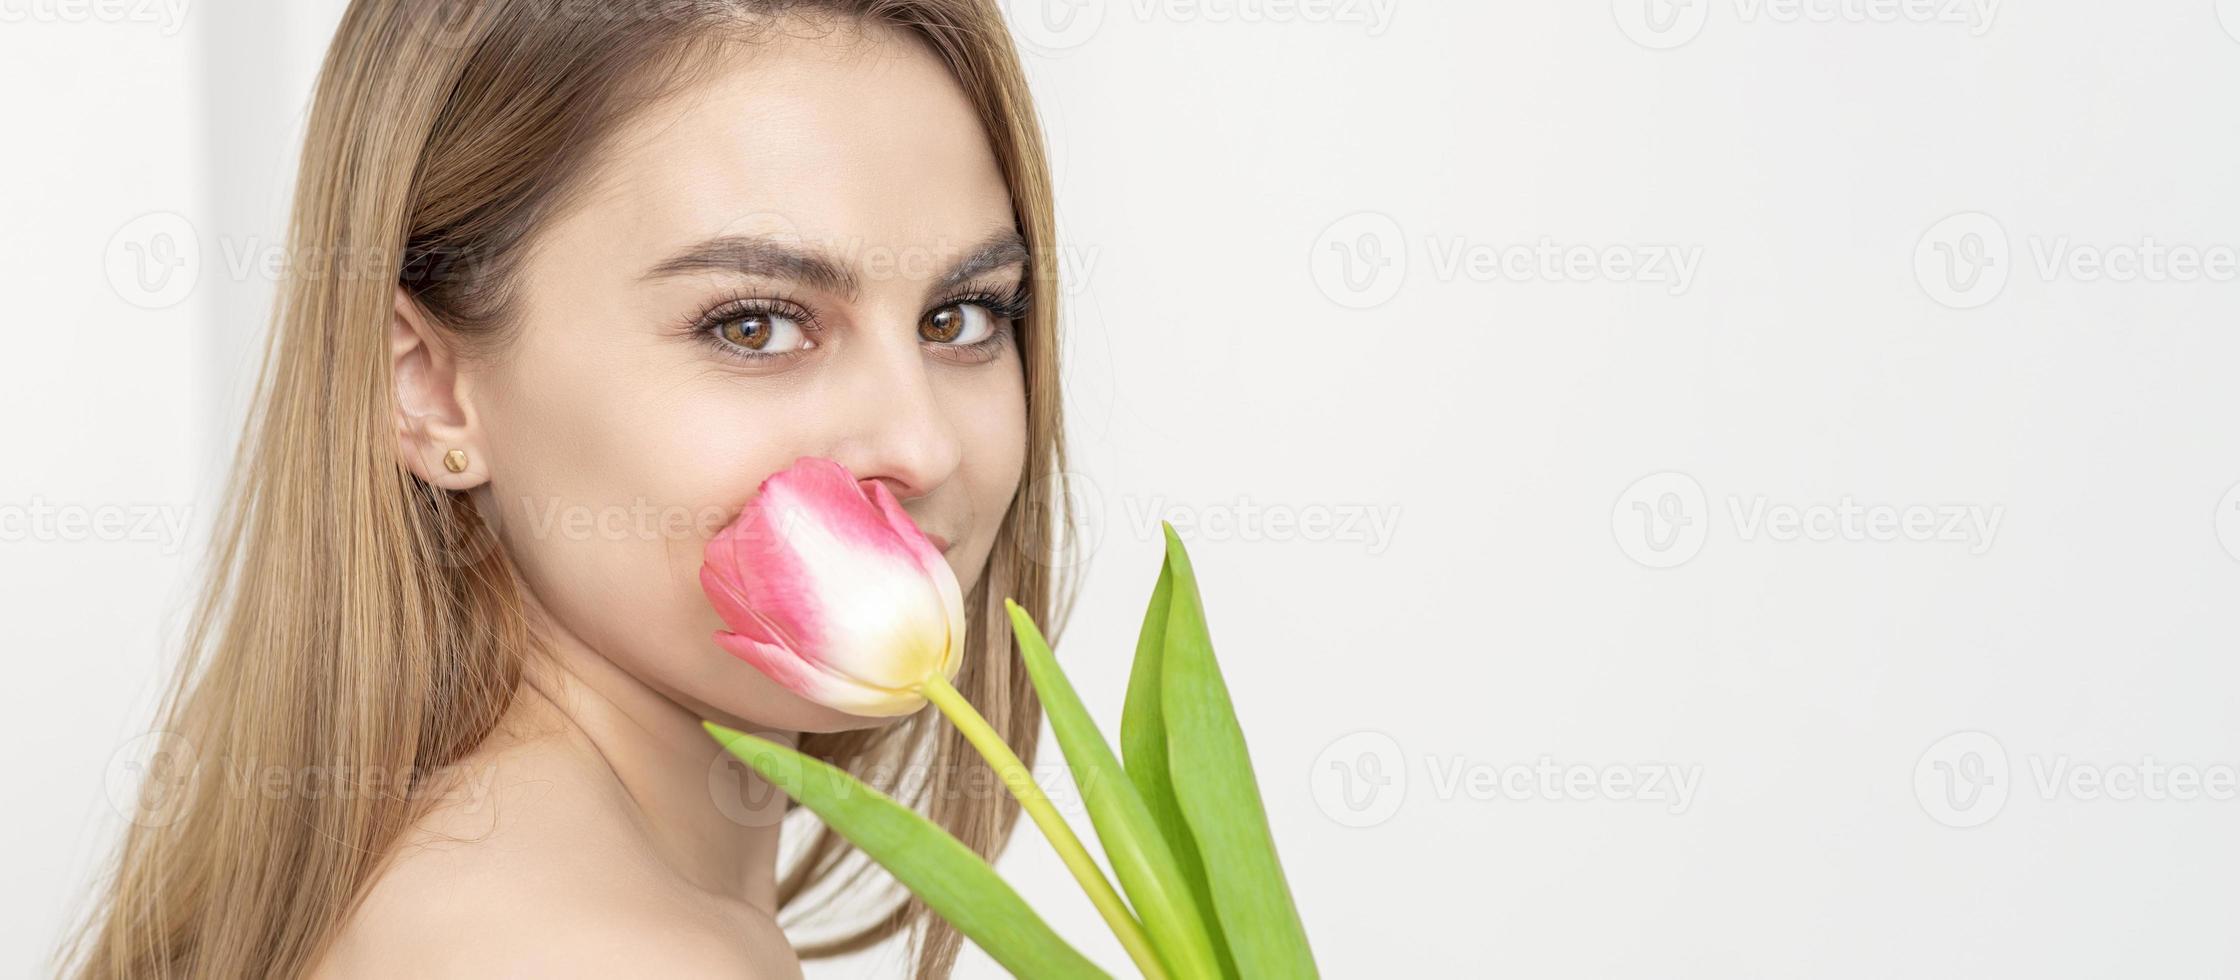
[(809, 252)]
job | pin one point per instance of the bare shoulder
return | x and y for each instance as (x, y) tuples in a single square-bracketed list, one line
[(529, 875), (573, 937)]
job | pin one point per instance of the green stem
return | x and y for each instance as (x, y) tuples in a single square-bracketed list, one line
[(1022, 785)]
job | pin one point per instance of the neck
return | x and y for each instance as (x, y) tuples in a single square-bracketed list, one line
[(711, 819)]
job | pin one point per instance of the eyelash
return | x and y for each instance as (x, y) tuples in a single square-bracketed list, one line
[(1006, 308)]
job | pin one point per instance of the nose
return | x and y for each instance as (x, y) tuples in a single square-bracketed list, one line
[(894, 428)]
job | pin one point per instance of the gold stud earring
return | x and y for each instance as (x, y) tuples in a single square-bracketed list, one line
[(455, 461)]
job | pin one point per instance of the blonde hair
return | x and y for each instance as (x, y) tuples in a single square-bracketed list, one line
[(353, 616)]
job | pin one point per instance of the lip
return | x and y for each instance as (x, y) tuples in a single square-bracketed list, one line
[(940, 543)]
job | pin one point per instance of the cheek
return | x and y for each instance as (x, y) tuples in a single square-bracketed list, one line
[(610, 484), (988, 413), (613, 471)]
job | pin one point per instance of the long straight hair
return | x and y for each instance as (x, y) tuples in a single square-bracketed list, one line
[(353, 616)]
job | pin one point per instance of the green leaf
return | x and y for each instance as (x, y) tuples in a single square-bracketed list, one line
[(953, 881), (1143, 743), (1139, 856), (1218, 794)]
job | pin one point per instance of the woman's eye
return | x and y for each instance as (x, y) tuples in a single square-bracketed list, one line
[(764, 332), (958, 323)]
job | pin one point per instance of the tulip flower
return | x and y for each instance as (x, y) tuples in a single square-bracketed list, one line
[(833, 592)]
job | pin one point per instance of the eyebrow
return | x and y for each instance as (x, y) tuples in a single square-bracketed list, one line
[(1004, 248), (756, 255)]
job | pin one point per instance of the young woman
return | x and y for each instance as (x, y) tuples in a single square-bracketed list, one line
[(570, 279)]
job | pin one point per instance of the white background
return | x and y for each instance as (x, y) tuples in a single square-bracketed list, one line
[(1583, 470)]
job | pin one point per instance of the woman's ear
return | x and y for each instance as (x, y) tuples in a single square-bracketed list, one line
[(437, 438)]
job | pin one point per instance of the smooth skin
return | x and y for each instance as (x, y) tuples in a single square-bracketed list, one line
[(601, 832)]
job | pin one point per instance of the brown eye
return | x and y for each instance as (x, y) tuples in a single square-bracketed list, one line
[(751, 331), (957, 323), (762, 332), (943, 325)]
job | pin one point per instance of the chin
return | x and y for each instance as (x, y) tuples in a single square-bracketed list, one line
[(825, 719), (791, 713)]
